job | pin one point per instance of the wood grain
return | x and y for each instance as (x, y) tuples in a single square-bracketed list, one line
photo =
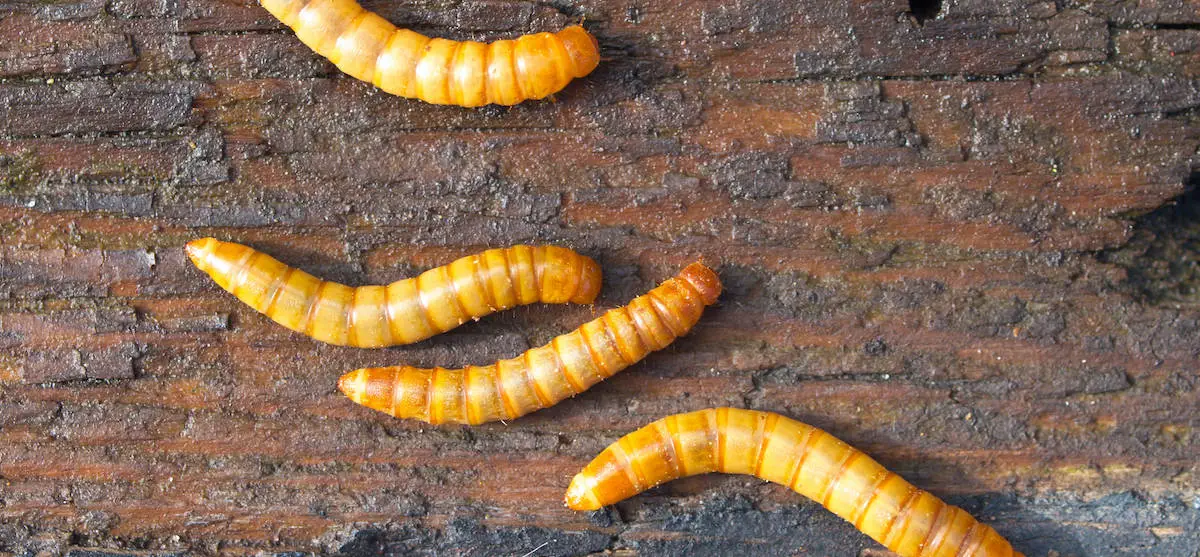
[(919, 225)]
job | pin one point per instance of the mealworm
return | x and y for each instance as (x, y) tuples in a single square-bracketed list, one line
[(438, 71), (543, 376), (906, 520), (404, 311)]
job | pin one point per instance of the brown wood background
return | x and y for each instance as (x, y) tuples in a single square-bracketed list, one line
[(948, 240)]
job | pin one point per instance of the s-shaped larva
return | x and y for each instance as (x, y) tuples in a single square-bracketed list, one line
[(813, 463), (404, 311), (542, 376), (438, 71)]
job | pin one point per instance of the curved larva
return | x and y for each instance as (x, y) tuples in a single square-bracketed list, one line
[(438, 71), (543, 376), (813, 463), (404, 311)]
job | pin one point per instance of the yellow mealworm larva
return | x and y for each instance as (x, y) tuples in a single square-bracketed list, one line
[(543, 376), (404, 311), (438, 71), (813, 463)]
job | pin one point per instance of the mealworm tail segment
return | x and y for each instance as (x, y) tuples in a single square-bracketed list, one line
[(438, 71), (542, 376), (354, 385), (197, 251), (846, 481), (404, 311)]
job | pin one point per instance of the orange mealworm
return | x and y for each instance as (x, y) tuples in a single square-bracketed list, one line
[(543, 376), (404, 311), (438, 71), (813, 463)]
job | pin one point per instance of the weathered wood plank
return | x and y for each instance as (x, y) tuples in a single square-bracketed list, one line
[(930, 233)]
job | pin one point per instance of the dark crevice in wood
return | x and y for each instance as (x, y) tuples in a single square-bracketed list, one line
[(1162, 257), (1176, 26), (924, 10), (1015, 75), (568, 9), (1137, 26)]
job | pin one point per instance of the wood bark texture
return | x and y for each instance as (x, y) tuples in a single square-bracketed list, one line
[(960, 236)]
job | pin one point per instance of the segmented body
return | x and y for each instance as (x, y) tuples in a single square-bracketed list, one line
[(404, 311), (543, 376), (439, 71), (881, 504)]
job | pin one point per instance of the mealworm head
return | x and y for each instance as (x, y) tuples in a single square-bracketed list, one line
[(583, 49), (589, 282), (705, 281)]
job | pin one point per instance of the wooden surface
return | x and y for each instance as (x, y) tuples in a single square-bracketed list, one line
[(930, 231)]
